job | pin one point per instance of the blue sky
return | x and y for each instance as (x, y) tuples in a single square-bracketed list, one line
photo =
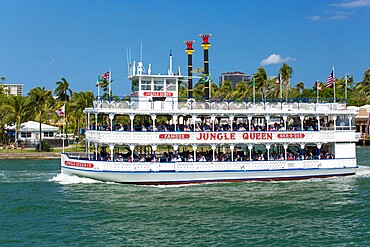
[(42, 41)]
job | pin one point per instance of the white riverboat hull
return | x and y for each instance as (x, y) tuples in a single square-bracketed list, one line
[(203, 172)]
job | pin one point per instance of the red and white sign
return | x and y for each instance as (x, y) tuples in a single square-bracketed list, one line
[(174, 136), (290, 135), (78, 164), (158, 94)]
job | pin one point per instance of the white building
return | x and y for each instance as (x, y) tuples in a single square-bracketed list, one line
[(13, 89), (30, 132)]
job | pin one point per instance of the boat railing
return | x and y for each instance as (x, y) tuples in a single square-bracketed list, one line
[(325, 105)]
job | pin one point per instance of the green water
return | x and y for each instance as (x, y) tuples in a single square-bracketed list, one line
[(40, 207)]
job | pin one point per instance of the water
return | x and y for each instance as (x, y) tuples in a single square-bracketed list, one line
[(40, 207)]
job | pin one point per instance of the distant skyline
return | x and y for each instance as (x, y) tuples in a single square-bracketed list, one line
[(42, 41)]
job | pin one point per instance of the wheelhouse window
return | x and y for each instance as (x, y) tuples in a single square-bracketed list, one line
[(158, 85), (171, 85), (146, 85)]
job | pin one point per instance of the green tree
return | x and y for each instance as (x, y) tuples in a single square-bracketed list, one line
[(16, 111), (63, 91), (40, 102), (286, 73), (80, 101), (262, 84)]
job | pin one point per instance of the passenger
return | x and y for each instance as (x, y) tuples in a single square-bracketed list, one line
[(142, 158), (202, 159), (190, 158), (119, 158)]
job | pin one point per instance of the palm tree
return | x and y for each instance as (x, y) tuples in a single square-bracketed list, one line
[(81, 101), (63, 91), (16, 111), (286, 73), (240, 92), (262, 83), (40, 100), (225, 91)]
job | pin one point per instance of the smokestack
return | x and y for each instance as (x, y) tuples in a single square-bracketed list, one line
[(189, 50), (206, 45)]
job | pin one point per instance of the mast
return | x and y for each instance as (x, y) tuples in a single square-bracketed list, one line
[(206, 45), (189, 50)]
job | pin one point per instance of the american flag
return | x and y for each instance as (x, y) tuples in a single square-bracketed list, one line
[(331, 79), (105, 75)]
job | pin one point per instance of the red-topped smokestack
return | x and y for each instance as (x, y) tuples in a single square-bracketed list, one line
[(189, 50), (206, 45)]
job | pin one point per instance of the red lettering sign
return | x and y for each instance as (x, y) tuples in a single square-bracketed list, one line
[(216, 136), (290, 135), (257, 136), (174, 136), (78, 164), (158, 94)]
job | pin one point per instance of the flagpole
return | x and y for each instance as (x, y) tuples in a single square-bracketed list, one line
[(254, 93), (317, 93), (281, 88), (110, 89), (64, 120), (98, 87), (334, 82), (345, 88)]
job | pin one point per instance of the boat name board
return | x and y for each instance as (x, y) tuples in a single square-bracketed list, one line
[(158, 94), (174, 136), (78, 164), (220, 136)]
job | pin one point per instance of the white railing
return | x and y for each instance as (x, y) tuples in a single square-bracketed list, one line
[(223, 166)]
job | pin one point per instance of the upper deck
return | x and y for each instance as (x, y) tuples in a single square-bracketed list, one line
[(217, 107)]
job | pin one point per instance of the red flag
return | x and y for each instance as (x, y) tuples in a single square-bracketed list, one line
[(106, 75), (319, 87), (61, 111), (330, 80), (277, 79)]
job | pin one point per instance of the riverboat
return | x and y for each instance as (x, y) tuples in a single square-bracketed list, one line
[(199, 141)]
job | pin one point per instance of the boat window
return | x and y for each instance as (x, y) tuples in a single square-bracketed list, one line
[(158, 85), (146, 85), (135, 86), (171, 85), (342, 122)]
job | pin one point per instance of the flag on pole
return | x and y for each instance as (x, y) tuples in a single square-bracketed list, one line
[(331, 79), (61, 111), (278, 79), (319, 87), (106, 75), (98, 81)]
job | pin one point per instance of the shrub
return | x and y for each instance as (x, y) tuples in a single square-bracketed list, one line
[(46, 146)]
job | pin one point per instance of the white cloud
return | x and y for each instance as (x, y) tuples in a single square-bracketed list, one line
[(275, 59), (352, 4), (315, 18)]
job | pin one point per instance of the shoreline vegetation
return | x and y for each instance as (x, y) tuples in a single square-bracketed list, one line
[(32, 153)]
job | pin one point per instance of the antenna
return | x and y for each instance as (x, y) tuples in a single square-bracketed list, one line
[(141, 51), (170, 69), (128, 62)]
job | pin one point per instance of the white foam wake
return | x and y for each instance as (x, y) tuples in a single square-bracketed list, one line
[(62, 178), (363, 171)]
